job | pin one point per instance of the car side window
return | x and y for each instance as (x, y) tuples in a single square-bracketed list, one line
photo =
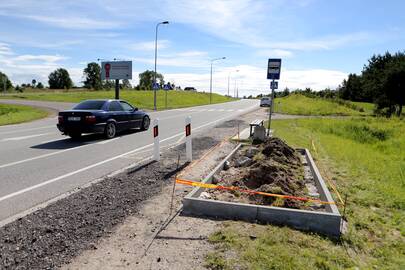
[(115, 106), (126, 106)]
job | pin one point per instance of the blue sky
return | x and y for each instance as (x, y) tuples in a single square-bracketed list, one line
[(319, 41)]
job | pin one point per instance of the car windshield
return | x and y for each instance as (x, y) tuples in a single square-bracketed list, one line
[(90, 105)]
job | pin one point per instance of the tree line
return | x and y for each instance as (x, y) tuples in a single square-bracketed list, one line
[(60, 79)]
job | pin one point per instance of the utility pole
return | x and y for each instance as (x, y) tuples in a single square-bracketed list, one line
[(212, 60)]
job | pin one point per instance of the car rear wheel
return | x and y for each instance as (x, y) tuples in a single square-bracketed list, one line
[(145, 123), (75, 135), (110, 130)]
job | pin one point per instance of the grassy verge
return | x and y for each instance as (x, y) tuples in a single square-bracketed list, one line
[(365, 159), (302, 105), (141, 99), (13, 114)]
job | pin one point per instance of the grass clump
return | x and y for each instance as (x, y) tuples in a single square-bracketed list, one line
[(14, 114)]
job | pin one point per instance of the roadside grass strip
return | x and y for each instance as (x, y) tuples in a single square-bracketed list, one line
[(301, 105), (364, 159), (141, 99), (14, 114)]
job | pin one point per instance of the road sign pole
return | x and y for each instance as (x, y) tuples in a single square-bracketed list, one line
[(166, 99), (271, 106)]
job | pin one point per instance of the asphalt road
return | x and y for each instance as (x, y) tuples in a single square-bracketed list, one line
[(37, 163)]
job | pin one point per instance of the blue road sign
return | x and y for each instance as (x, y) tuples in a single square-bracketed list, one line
[(274, 85), (273, 69), (167, 87), (155, 86)]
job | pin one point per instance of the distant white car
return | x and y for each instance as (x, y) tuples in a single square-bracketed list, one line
[(265, 102)]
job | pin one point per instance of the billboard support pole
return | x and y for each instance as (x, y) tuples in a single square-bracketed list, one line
[(117, 89)]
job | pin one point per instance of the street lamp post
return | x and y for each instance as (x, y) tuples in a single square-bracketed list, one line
[(212, 60), (154, 75)]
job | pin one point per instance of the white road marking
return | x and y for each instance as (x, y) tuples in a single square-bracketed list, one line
[(78, 171), (100, 163), (41, 156), (78, 147), (28, 129), (230, 110), (108, 141), (26, 137), (211, 110)]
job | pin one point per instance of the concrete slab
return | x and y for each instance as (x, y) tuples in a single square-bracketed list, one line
[(327, 223)]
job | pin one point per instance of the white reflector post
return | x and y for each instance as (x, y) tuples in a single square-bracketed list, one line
[(189, 148), (156, 150)]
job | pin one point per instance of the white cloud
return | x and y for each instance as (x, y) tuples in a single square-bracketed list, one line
[(276, 53), (5, 49), (44, 58), (149, 45), (251, 80), (187, 59)]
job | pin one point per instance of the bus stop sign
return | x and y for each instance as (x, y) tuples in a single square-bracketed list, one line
[(273, 69)]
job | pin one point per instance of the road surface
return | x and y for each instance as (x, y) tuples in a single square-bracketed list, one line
[(37, 163)]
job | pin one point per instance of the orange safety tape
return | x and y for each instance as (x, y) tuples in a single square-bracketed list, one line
[(205, 185)]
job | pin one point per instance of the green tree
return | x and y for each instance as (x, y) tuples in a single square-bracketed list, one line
[(5, 82), (40, 85), (146, 80), (92, 73), (109, 84), (60, 79), (352, 89), (391, 96), (125, 84), (383, 78)]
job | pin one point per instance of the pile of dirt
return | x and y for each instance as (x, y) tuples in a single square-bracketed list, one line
[(272, 167)]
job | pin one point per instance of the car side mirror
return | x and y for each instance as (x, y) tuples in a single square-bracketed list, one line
[(135, 109)]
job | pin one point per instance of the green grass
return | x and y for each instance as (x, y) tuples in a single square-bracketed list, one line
[(301, 105), (13, 114), (365, 159), (141, 99)]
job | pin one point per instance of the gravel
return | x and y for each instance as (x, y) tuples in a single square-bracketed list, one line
[(52, 236)]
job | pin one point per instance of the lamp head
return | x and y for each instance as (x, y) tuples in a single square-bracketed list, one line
[(165, 22)]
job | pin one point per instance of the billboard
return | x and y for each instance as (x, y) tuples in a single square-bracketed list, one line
[(273, 69), (116, 70)]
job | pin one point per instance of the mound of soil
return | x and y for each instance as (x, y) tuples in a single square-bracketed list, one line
[(272, 167)]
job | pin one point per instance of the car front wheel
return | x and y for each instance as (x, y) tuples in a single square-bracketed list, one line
[(145, 123), (110, 130)]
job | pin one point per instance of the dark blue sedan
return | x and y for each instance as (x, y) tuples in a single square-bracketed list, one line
[(101, 116)]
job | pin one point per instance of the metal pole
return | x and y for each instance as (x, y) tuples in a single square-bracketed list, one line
[(117, 89), (166, 99), (271, 106), (229, 75), (154, 75), (211, 84)]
